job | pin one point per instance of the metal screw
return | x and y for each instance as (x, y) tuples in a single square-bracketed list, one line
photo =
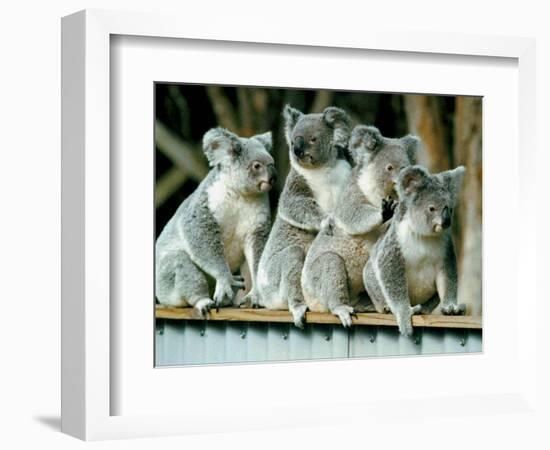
[(243, 334), (417, 340), (285, 336), (462, 342), (372, 339), (202, 332), (327, 337)]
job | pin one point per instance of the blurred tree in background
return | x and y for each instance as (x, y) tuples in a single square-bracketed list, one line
[(450, 129)]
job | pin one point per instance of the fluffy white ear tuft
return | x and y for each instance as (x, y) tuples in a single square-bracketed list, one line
[(411, 144), (409, 179), (219, 144), (340, 122), (291, 116), (364, 140), (266, 139), (453, 180)]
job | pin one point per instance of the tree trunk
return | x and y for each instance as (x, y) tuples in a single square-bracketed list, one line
[(468, 152), (425, 119)]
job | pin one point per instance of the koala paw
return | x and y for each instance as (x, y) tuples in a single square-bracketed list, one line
[(404, 320), (388, 208), (344, 313), (327, 226), (203, 307), (406, 328), (224, 289), (417, 309), (250, 300), (299, 315), (453, 309)]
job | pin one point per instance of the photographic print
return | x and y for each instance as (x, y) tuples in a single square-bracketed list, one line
[(298, 224)]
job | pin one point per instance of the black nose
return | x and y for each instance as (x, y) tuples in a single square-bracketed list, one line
[(446, 218), (298, 147)]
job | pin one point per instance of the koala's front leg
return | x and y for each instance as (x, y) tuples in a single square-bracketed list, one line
[(447, 284), (204, 244), (254, 246), (291, 263), (373, 288), (388, 269)]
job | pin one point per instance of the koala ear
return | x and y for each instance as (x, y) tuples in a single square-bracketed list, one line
[(266, 139), (366, 136), (452, 179), (411, 143), (340, 122), (219, 144), (409, 179), (336, 117), (291, 117), (364, 139)]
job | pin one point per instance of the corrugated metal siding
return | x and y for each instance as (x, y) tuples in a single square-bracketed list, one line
[(180, 342)]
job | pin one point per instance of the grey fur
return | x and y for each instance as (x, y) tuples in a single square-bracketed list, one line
[(225, 221), (312, 189), (413, 266), (332, 277)]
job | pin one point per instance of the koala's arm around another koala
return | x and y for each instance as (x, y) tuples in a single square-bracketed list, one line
[(297, 205), (357, 219), (356, 216)]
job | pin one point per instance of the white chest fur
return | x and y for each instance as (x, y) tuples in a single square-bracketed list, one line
[(423, 258), (237, 217), (369, 186), (327, 183)]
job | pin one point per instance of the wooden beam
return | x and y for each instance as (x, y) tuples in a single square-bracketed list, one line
[(225, 113), (266, 315), (169, 183), (191, 162)]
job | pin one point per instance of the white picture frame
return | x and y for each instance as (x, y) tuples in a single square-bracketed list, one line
[(87, 328)]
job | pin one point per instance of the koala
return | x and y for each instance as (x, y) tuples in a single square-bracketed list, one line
[(319, 171), (412, 268), (225, 221), (332, 278)]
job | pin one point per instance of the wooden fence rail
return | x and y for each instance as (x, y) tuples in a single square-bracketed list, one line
[(265, 315)]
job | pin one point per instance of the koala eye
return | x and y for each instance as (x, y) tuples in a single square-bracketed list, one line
[(431, 208), (312, 139), (256, 166), (389, 167)]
